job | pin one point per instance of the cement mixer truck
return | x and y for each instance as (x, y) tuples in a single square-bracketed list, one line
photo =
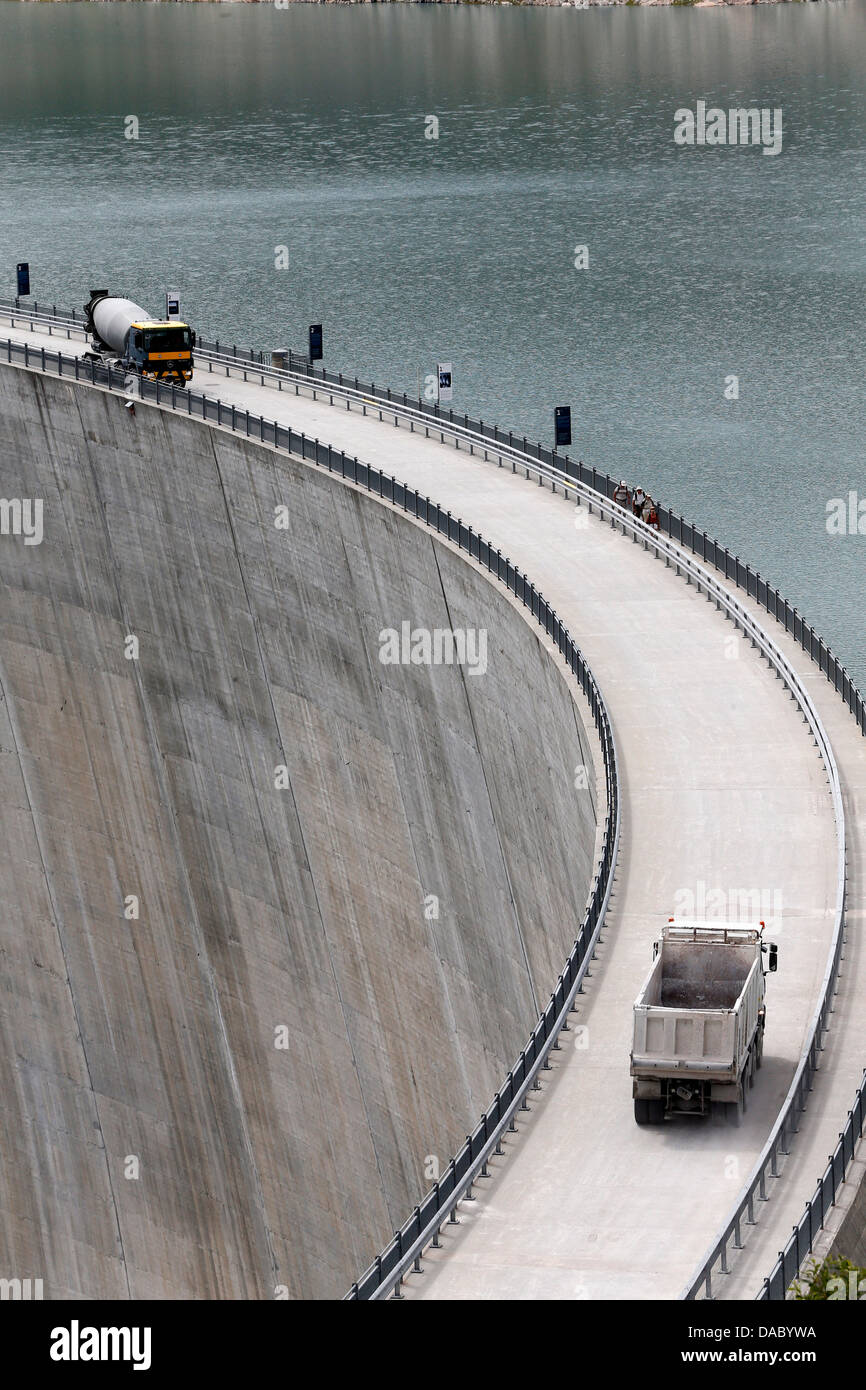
[(132, 338)]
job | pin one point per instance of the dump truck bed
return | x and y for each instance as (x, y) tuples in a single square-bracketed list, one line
[(698, 1009)]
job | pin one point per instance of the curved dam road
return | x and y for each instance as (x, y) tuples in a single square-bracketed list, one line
[(724, 802)]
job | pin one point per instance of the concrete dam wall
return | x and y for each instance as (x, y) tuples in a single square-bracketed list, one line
[(276, 917)]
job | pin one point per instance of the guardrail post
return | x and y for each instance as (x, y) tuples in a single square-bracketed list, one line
[(435, 1241), (783, 1137), (773, 1170), (452, 1216)]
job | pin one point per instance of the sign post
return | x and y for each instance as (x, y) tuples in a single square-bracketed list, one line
[(443, 373)]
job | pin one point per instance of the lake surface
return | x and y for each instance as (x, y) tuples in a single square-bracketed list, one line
[(305, 128)]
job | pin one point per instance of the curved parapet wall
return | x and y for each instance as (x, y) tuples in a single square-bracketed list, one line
[(277, 915)]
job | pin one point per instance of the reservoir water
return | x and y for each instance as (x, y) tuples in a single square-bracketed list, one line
[(307, 128)]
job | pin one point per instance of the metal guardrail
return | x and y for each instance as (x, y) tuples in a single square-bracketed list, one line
[(786, 1126), (596, 488), (55, 315), (55, 324), (800, 1243)]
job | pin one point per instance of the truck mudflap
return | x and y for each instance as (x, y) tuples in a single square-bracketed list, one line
[(725, 1094), (646, 1088)]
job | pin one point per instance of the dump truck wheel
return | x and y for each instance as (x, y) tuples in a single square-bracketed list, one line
[(649, 1112), (759, 1049)]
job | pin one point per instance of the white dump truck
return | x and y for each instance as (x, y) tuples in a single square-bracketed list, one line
[(699, 1019)]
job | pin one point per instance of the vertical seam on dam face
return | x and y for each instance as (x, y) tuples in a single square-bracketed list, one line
[(392, 1209), (238, 1095), (214, 437), (493, 813), (158, 765), (394, 1215), (45, 416), (55, 911)]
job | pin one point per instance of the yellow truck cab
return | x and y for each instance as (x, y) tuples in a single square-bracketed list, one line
[(161, 349)]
